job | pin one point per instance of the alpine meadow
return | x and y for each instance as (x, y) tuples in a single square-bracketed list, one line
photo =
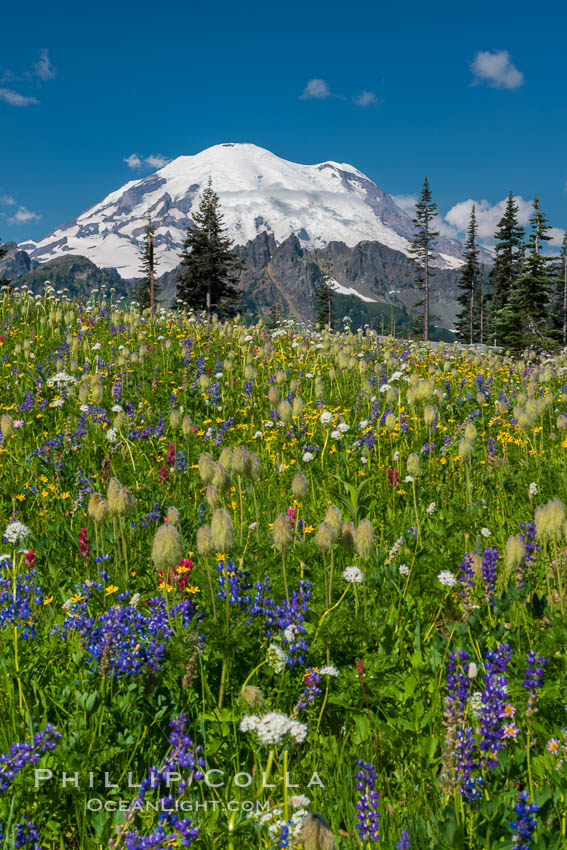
[(283, 427)]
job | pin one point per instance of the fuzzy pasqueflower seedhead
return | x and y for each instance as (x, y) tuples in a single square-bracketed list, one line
[(206, 467), (172, 515), (465, 449), (212, 496), (348, 532), (429, 415), (273, 395), (6, 426), (225, 458), (297, 407), (121, 502), (364, 539), (515, 552), (205, 545), (281, 532), (299, 485), (94, 501), (334, 519), (284, 411), (221, 478), (241, 461), (550, 520), (186, 426), (325, 537), (167, 549), (413, 465), (222, 530), (174, 420), (317, 834), (253, 696)]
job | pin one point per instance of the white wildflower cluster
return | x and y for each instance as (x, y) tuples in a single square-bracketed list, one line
[(336, 435), (403, 570), (353, 575), (326, 418), (308, 457), (476, 703), (431, 507), (272, 728), (329, 670), (447, 578), (16, 532), (61, 379), (276, 657), (533, 489), (273, 821), (485, 532), (111, 435), (58, 402)]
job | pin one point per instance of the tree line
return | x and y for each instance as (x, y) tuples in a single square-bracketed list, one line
[(522, 302)]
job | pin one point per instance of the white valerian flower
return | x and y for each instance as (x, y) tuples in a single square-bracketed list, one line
[(403, 570), (326, 417), (111, 435), (248, 338), (364, 459), (276, 657), (447, 578), (16, 532), (363, 424), (353, 575), (533, 491), (485, 532), (408, 479), (258, 435), (309, 375), (307, 457), (117, 408), (218, 374), (385, 387), (299, 800), (431, 508), (58, 402), (61, 379), (396, 376), (329, 670), (84, 408), (268, 423), (97, 346), (273, 727), (336, 435)]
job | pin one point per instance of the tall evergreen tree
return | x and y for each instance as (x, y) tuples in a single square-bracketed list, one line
[(325, 297), (209, 270), (3, 250), (470, 297), (147, 286), (422, 248), (507, 266), (524, 319), (563, 290)]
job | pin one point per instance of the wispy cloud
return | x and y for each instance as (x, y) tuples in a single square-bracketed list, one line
[(496, 69), (14, 98), (7, 200), (154, 160), (40, 71), (23, 216), (316, 89), (43, 69), (366, 98)]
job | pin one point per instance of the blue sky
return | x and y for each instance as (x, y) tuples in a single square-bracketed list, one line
[(473, 96)]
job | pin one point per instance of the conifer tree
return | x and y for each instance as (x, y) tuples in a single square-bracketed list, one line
[(275, 314), (509, 252), (3, 250), (422, 247), (325, 297), (147, 287), (470, 298), (563, 290), (524, 318), (209, 269)]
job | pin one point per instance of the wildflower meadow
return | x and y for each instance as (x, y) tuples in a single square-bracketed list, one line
[(276, 587)]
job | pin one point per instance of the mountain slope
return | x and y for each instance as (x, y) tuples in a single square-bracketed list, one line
[(259, 192), (78, 275)]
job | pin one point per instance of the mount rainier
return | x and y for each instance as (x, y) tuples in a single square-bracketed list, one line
[(258, 191)]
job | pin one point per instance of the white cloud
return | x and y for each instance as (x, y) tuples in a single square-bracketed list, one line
[(366, 98), (43, 68), (495, 68), (488, 215), (7, 200), (156, 160), (406, 202), (133, 161), (23, 216), (316, 89), (14, 98)]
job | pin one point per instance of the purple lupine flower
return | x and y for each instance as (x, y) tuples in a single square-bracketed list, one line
[(493, 704), (22, 754), (525, 824), (27, 835), (458, 683), (368, 816), (312, 679), (488, 567), (533, 679), (470, 785), (404, 842)]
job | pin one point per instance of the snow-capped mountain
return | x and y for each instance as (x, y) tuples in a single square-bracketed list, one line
[(258, 192)]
